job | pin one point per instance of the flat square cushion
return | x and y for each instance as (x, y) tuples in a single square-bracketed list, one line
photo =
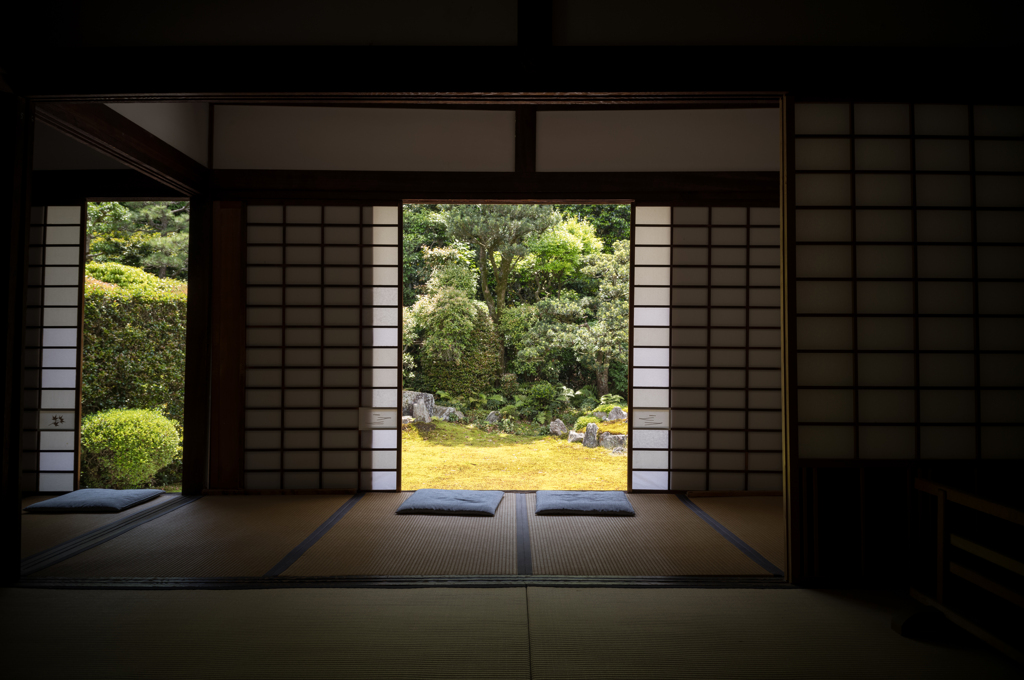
[(95, 500), (451, 502), (613, 503)]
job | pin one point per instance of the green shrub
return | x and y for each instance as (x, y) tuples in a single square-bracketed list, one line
[(582, 421), (125, 448), (134, 341), (606, 408)]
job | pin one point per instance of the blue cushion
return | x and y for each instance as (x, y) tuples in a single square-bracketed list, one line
[(96, 500), (583, 503), (451, 502)]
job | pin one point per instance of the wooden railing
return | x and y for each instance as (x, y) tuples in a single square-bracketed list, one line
[(1004, 582)]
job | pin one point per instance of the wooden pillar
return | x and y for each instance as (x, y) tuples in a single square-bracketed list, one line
[(227, 345), (196, 450), (16, 125)]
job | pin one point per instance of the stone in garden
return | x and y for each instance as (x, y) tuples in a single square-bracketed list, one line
[(443, 412), (420, 412), (617, 414), (459, 415), (407, 419), (619, 451), (557, 427), (590, 436), (575, 437), (600, 415), (492, 417), (411, 398), (614, 441)]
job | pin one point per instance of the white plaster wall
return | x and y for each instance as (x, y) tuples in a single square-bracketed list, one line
[(686, 140), (183, 125), (328, 138)]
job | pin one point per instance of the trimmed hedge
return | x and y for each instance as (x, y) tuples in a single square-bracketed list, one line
[(134, 341), (125, 448)]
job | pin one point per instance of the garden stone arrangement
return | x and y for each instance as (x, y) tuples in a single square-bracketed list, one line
[(591, 438)]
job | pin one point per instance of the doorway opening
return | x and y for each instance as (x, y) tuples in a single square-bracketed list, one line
[(133, 344), (515, 346)]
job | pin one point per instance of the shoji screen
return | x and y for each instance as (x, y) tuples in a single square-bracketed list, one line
[(909, 265), (706, 399), (322, 347), (53, 350)]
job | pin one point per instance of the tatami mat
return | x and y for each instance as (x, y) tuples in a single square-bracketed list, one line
[(697, 633), (44, 531), (758, 521), (372, 539), (214, 536), (292, 633), (665, 538)]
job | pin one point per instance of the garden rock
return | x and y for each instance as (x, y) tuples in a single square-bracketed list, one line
[(575, 437), (444, 412), (406, 420), (557, 427), (590, 436), (492, 417), (614, 441), (459, 415), (616, 414), (618, 451), (409, 399), (600, 415), (420, 412)]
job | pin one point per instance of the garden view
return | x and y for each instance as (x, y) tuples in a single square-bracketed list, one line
[(516, 329), (133, 356)]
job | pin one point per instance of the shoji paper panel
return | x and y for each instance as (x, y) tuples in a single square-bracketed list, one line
[(52, 350), (706, 383), (909, 280), (323, 323)]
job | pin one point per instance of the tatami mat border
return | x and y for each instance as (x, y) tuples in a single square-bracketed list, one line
[(107, 532), (742, 582)]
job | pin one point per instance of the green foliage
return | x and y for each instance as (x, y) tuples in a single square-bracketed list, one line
[(611, 222), (125, 448), (612, 400), (419, 228), (148, 234), (582, 421), (554, 257), (499, 235), (134, 341), (460, 352)]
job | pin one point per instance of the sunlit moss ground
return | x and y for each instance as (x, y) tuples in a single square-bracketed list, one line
[(451, 456)]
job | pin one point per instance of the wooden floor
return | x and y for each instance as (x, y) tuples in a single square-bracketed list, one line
[(342, 536)]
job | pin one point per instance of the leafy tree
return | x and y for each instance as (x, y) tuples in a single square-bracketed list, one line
[(595, 327), (460, 351), (500, 235), (420, 227), (611, 222), (148, 234), (554, 258)]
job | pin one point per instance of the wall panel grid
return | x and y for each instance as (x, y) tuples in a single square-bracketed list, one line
[(705, 407), (52, 350), (909, 278), (323, 357)]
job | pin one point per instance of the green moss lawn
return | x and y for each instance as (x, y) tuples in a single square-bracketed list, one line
[(445, 455)]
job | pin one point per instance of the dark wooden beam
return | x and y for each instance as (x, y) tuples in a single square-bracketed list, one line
[(680, 188), (15, 180), (227, 343), (56, 187), (196, 448), (526, 140), (534, 23), (107, 131)]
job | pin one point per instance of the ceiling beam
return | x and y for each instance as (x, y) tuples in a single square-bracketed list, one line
[(107, 131)]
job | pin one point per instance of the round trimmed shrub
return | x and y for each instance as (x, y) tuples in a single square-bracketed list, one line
[(124, 448)]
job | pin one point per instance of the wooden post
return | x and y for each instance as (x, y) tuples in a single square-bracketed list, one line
[(196, 450), (16, 125), (940, 560)]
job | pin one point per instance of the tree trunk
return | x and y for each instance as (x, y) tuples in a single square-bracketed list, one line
[(602, 379)]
